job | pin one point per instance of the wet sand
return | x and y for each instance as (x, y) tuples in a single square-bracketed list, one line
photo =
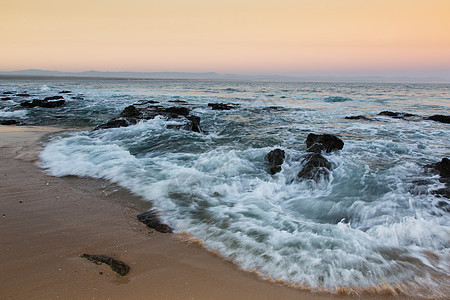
[(46, 223)]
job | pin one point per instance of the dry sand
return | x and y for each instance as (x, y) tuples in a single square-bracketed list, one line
[(46, 223)]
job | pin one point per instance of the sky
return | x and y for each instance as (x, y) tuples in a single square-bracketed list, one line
[(294, 37)]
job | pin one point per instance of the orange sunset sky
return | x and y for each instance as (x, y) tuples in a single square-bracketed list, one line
[(226, 36)]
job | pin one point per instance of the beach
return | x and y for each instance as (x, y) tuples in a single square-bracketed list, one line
[(48, 223)]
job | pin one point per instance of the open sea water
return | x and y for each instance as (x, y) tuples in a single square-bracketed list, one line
[(375, 222)]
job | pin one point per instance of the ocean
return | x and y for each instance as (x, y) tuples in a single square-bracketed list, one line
[(374, 221)]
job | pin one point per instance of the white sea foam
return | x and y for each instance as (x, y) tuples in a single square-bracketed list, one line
[(13, 114), (373, 221)]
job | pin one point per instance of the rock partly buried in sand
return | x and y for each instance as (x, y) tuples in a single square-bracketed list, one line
[(439, 118), (220, 106), (275, 158), (323, 142), (151, 219), (117, 266), (47, 103), (134, 113)]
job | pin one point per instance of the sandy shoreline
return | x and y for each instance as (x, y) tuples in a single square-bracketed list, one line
[(48, 222)]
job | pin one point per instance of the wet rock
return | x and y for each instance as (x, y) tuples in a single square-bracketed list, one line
[(47, 103), (439, 118), (323, 142), (65, 92), (143, 102), (117, 266), (9, 122), (53, 98), (8, 93), (6, 98), (133, 113), (364, 118), (396, 115), (151, 219), (220, 106), (443, 167), (23, 95), (178, 101), (275, 158), (315, 167)]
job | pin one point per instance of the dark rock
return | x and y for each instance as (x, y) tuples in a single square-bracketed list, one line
[(43, 103), (445, 206), (143, 102), (220, 106), (116, 123), (439, 118), (178, 101), (315, 166), (53, 98), (151, 219), (6, 98), (358, 118), (131, 112), (275, 158), (396, 115), (65, 92), (443, 167), (8, 93), (117, 266), (318, 143), (23, 95), (77, 98), (9, 122)]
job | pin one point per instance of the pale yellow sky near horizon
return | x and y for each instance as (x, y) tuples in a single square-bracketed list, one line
[(247, 36)]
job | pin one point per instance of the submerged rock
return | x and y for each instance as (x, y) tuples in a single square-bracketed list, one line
[(8, 93), (439, 118), (47, 103), (275, 158), (6, 98), (65, 92), (151, 219), (117, 266), (323, 142), (23, 95)]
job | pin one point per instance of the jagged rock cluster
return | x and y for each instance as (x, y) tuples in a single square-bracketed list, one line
[(134, 113), (314, 165)]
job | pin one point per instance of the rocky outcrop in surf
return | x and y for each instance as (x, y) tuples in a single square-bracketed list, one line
[(117, 266), (134, 113), (275, 158), (443, 169), (151, 219), (220, 106), (315, 165), (9, 122), (48, 102), (404, 116)]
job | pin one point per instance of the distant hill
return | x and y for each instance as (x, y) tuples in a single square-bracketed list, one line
[(442, 77)]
